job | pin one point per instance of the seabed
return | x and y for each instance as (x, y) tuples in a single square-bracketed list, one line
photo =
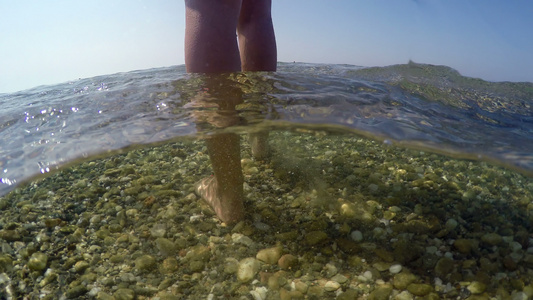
[(327, 217)]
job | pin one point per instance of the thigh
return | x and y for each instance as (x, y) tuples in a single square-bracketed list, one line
[(254, 10)]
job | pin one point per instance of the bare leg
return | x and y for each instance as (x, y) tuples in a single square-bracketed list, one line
[(257, 46), (257, 42), (211, 47), (210, 41)]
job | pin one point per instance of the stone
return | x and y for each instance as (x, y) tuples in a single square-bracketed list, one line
[(76, 292), (81, 266), (405, 295), (145, 262), (492, 239), (314, 238), (402, 280), (38, 261), (356, 236), (463, 245), (419, 289), (287, 262), (395, 269), (165, 246), (349, 294), (381, 292), (169, 265), (331, 286), (444, 267), (247, 269), (476, 287), (124, 294), (269, 255)]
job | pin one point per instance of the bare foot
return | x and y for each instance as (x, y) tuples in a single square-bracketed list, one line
[(227, 203)]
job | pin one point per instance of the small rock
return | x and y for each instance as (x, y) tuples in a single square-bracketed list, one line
[(38, 261), (124, 294), (169, 265), (145, 262), (165, 246), (158, 230), (339, 278), (402, 280), (463, 245), (451, 224), (444, 267), (349, 294), (270, 255), (247, 269), (287, 261), (476, 287), (419, 289), (332, 286), (395, 269), (81, 266), (405, 295), (381, 292), (315, 238), (356, 235), (76, 292), (492, 239)]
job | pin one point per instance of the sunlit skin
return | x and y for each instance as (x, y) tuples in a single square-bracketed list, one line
[(220, 37)]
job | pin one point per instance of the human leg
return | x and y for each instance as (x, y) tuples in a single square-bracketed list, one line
[(210, 41), (257, 42)]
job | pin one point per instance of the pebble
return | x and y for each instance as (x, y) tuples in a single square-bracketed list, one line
[(287, 261), (145, 262), (476, 287), (492, 239), (331, 286), (381, 292), (247, 269), (419, 289), (402, 280), (356, 235), (38, 261), (315, 238), (124, 294), (395, 269), (165, 246), (81, 266), (269, 255), (451, 224)]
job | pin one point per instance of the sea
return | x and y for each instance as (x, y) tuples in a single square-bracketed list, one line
[(399, 182), (420, 106)]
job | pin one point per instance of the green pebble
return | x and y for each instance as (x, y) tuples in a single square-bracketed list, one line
[(165, 246), (38, 261), (76, 291), (402, 280), (145, 262), (124, 294), (419, 289), (476, 287), (315, 237), (382, 292)]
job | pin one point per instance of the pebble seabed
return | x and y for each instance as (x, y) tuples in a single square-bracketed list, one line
[(328, 217)]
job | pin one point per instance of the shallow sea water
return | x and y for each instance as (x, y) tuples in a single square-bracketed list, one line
[(405, 181)]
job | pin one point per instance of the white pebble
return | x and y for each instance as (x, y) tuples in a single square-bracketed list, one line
[(247, 269), (259, 293), (367, 275), (356, 235), (331, 286), (395, 269)]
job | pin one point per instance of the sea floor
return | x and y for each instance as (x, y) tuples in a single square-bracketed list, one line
[(327, 217)]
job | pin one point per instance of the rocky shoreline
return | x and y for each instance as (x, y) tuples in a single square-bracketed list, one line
[(328, 217)]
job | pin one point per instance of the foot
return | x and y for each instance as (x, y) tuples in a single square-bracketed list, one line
[(227, 203)]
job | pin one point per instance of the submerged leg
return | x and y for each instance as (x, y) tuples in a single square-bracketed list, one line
[(224, 191)]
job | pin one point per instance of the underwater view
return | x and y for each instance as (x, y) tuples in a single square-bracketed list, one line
[(401, 182)]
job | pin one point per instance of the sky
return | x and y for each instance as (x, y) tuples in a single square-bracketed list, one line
[(55, 41)]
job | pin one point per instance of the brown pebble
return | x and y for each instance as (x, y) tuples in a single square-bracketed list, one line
[(287, 261)]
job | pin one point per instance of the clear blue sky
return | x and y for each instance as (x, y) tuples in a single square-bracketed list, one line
[(53, 41)]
